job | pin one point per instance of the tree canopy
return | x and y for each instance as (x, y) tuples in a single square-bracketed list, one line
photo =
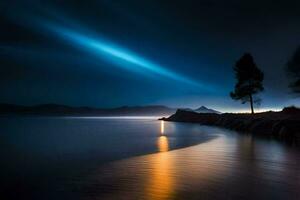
[(249, 80)]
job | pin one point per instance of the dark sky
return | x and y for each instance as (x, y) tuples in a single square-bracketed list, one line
[(111, 53)]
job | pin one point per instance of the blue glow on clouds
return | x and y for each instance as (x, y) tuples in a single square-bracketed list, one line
[(122, 57)]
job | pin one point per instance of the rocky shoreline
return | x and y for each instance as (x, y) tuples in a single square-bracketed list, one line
[(283, 125)]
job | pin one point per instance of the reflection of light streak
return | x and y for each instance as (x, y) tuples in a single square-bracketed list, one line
[(162, 127), (163, 144), (162, 176), (161, 182), (172, 171)]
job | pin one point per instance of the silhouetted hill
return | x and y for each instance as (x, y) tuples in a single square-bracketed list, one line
[(55, 109), (204, 109)]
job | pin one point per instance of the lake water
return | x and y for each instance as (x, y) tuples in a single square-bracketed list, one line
[(140, 158)]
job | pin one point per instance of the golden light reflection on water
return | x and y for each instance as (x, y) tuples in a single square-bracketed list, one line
[(161, 181), (163, 144), (162, 175)]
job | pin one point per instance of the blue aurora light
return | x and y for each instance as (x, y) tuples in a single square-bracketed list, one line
[(122, 57)]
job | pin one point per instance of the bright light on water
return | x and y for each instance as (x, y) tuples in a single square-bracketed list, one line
[(162, 127)]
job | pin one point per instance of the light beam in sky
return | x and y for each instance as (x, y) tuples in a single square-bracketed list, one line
[(123, 57)]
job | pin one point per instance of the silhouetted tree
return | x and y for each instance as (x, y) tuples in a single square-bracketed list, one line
[(293, 70), (249, 80)]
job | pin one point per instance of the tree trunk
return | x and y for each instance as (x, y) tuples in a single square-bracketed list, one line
[(251, 104)]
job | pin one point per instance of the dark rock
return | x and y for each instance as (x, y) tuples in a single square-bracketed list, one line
[(292, 110)]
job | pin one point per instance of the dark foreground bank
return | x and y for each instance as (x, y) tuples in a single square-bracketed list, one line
[(284, 125)]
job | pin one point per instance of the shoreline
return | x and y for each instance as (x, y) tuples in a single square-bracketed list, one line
[(283, 125)]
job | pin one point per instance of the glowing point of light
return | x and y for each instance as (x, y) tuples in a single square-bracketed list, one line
[(162, 127)]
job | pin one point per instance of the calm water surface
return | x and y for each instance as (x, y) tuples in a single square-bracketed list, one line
[(140, 158)]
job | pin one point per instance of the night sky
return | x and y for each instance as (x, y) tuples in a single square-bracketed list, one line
[(112, 53)]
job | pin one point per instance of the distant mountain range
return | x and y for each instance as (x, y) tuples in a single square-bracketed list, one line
[(56, 109), (202, 109)]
